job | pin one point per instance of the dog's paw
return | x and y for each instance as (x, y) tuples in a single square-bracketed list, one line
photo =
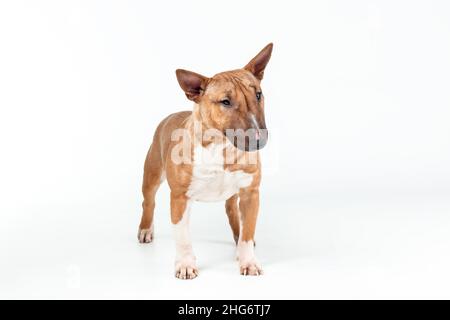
[(145, 235), (186, 269), (252, 268), (248, 264)]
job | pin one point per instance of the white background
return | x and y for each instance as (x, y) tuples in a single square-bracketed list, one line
[(356, 189)]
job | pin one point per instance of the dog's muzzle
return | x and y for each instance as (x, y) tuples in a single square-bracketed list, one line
[(249, 140)]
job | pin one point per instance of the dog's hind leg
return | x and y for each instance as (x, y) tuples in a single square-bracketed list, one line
[(153, 177), (232, 209)]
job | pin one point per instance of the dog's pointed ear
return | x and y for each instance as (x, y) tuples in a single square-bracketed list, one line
[(259, 63), (193, 84)]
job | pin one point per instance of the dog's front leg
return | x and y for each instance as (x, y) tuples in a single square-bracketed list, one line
[(185, 265), (248, 206)]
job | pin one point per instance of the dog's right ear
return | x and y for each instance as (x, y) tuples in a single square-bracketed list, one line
[(193, 84), (259, 63)]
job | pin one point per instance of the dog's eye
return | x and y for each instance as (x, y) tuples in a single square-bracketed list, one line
[(258, 96), (226, 102)]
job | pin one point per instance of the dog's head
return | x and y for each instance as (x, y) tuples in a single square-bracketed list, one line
[(232, 101)]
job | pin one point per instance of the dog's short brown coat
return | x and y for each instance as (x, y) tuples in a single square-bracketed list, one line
[(240, 87)]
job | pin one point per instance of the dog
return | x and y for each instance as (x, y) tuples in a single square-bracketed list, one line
[(217, 159)]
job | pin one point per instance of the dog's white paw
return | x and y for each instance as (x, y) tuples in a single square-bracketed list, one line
[(251, 268), (145, 235), (186, 268), (248, 264)]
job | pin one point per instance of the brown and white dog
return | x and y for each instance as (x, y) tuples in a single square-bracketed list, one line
[(216, 160)]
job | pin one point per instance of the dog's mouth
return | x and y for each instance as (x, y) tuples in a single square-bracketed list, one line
[(250, 140)]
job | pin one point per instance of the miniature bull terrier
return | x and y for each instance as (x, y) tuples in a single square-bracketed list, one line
[(211, 154)]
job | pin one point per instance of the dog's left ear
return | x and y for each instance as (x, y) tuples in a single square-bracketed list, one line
[(193, 84), (259, 63)]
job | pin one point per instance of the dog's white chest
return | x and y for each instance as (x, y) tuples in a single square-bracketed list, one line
[(210, 181)]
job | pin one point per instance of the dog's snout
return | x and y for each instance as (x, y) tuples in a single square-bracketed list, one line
[(248, 140), (261, 138)]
